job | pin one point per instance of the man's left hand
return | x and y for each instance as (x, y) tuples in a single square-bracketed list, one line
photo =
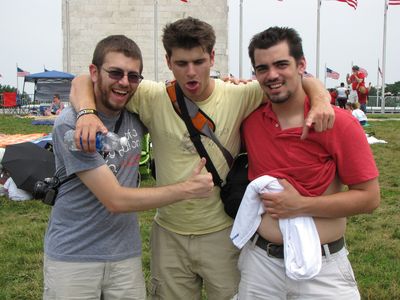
[(321, 116), (285, 204)]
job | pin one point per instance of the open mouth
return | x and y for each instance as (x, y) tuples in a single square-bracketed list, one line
[(120, 93), (192, 85), (274, 86)]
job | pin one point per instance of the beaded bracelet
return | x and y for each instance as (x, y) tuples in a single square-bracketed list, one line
[(86, 111)]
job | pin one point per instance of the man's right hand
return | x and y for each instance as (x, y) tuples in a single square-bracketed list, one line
[(199, 185), (85, 133)]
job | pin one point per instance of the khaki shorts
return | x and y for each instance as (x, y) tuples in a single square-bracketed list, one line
[(182, 264), (94, 280), (263, 277)]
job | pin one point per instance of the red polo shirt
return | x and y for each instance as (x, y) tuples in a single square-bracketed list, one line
[(309, 165)]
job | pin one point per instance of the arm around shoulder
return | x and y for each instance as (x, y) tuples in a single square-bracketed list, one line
[(81, 95), (82, 98), (321, 114)]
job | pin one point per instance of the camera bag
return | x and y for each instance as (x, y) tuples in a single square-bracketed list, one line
[(235, 186)]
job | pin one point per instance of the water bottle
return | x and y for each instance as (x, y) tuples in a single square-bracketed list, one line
[(104, 142)]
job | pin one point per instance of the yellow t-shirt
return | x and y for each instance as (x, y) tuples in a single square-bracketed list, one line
[(176, 157)]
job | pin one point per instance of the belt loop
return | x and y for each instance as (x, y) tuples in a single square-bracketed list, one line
[(254, 241), (327, 252)]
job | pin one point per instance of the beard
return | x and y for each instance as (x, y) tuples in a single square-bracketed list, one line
[(104, 96), (282, 97)]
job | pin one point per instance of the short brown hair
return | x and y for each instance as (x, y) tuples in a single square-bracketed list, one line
[(188, 33), (275, 35), (116, 43)]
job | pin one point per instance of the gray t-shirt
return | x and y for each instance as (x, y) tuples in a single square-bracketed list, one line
[(80, 227)]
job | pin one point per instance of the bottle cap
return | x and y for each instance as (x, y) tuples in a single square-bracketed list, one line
[(124, 141)]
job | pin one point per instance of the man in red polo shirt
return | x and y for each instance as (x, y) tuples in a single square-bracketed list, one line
[(313, 170)]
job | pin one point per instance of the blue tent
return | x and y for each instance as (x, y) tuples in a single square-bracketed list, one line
[(49, 83)]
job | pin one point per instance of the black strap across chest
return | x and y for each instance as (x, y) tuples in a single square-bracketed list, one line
[(195, 136)]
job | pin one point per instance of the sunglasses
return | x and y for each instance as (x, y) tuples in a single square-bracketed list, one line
[(118, 74)]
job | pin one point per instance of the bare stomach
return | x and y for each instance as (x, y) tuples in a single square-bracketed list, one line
[(329, 229)]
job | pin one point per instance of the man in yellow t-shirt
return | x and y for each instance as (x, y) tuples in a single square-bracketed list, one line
[(190, 241)]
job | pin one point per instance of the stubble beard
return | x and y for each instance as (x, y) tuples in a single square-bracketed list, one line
[(280, 98), (105, 94)]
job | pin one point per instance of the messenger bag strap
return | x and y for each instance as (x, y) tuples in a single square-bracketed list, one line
[(201, 122), (195, 137)]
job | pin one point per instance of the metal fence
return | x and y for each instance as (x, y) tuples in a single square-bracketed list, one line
[(374, 105), (392, 104)]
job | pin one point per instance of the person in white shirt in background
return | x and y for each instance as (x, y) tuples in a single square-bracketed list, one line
[(357, 112), (342, 93)]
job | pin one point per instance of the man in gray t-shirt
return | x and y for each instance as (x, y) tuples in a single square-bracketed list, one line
[(92, 247)]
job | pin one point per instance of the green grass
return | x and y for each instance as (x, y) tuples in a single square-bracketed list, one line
[(384, 116), (373, 240)]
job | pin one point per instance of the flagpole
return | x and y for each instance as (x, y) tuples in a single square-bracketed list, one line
[(156, 40), (68, 35), (17, 75), (318, 25), (384, 57), (240, 38), (325, 77), (377, 82)]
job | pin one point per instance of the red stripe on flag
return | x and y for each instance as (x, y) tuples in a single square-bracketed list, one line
[(22, 73), (352, 3), (394, 2)]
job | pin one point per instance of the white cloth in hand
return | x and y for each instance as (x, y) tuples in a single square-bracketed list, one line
[(302, 248)]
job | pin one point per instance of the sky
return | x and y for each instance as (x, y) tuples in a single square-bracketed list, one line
[(347, 36), (32, 36)]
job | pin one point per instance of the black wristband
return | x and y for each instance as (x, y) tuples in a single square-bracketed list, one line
[(86, 111)]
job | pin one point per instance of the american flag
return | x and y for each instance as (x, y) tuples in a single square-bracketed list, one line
[(365, 72), (394, 2), (352, 3), (21, 73), (332, 74)]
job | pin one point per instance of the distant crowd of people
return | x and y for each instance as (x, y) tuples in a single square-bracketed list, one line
[(354, 97)]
